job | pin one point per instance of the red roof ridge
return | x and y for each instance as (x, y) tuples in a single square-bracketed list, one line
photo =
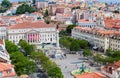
[(33, 24)]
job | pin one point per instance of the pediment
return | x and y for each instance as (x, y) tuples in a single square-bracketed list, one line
[(32, 31)]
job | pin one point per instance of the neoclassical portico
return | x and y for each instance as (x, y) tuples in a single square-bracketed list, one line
[(33, 37)]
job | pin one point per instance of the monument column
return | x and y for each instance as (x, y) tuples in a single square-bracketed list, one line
[(57, 40)]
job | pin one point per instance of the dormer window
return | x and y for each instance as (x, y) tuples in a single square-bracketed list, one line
[(8, 71)]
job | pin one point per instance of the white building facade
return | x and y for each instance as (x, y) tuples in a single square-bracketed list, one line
[(4, 56), (103, 39), (86, 24), (3, 32), (37, 33)]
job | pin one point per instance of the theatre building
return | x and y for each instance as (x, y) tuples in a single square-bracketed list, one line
[(36, 32)]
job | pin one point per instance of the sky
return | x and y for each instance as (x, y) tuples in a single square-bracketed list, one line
[(110, 1), (98, 0)]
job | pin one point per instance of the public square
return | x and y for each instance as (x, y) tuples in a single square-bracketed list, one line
[(72, 62)]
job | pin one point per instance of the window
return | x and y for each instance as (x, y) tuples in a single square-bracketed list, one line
[(8, 71), (1, 74)]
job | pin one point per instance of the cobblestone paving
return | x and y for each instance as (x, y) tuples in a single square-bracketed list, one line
[(67, 64)]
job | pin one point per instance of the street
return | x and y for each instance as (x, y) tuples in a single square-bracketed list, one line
[(39, 73)]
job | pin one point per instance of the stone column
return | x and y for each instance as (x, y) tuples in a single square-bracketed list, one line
[(32, 38), (27, 37), (38, 37), (57, 40)]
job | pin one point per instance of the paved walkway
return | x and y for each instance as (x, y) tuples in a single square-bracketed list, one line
[(68, 64)]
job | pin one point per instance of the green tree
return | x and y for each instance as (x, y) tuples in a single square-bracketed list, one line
[(2, 9), (106, 4), (43, 58), (98, 58), (74, 46), (83, 44), (6, 4), (27, 47), (55, 72), (23, 43), (47, 21), (10, 47), (116, 11), (35, 55), (69, 28), (87, 52), (78, 7), (24, 8), (115, 54), (50, 67), (109, 52), (65, 42), (68, 41), (22, 64), (62, 33), (46, 13)]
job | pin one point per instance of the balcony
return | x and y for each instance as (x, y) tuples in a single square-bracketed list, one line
[(4, 56)]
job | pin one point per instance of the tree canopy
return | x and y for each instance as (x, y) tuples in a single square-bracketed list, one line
[(25, 8), (22, 64), (5, 5), (62, 33), (87, 52), (10, 47), (46, 13), (50, 67), (73, 44), (27, 47), (69, 28), (116, 11), (109, 57), (77, 7)]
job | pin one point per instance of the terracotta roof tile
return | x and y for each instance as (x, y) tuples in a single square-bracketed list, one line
[(90, 75), (4, 67), (112, 23), (99, 31), (1, 41), (35, 24), (113, 65), (60, 10)]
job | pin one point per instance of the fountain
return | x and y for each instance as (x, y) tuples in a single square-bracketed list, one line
[(82, 69)]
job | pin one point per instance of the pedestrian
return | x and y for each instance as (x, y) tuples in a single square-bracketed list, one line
[(65, 56), (62, 57)]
